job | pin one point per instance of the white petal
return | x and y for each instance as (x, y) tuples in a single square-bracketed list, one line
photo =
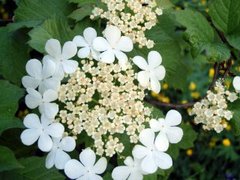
[(84, 52), (159, 72), (45, 143), (155, 125), (32, 121), (87, 157), (140, 62), (49, 68), (90, 177), (33, 99), (112, 34), (121, 173), (154, 59), (59, 73), (80, 41), (53, 48), (69, 66), (129, 161), (69, 50), (50, 95), (163, 160), (173, 118), (162, 142), (122, 58), (148, 164), (107, 56), (95, 54), (49, 163), (46, 121), (68, 144), (155, 85), (143, 78), (50, 109), (34, 68), (174, 134), (55, 130), (135, 175), (61, 159), (30, 82), (125, 44), (29, 136), (139, 151), (100, 44), (147, 137), (236, 83), (51, 83), (100, 166), (89, 34), (74, 169)]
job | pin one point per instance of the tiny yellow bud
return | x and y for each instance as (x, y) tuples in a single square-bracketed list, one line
[(192, 86), (226, 142), (165, 86), (195, 95), (211, 72), (189, 152)]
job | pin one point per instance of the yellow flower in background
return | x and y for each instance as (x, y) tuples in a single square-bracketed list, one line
[(226, 142), (165, 86), (192, 86), (195, 95), (211, 72), (203, 2), (189, 152), (228, 128)]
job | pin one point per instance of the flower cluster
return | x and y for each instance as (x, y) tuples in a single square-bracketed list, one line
[(104, 104), (150, 156), (213, 111), (101, 98), (141, 16)]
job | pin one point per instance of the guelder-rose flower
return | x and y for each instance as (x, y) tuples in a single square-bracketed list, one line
[(152, 71), (86, 44), (34, 99), (151, 157), (58, 156), (61, 56), (113, 46), (40, 131), (168, 132), (132, 170), (86, 168), (40, 75), (236, 83)]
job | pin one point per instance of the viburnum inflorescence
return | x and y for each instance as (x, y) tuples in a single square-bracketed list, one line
[(212, 111), (104, 101), (141, 16)]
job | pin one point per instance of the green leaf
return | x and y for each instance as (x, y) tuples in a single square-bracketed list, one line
[(56, 27), (202, 36), (225, 15), (33, 12), (9, 98), (7, 160), (235, 121), (81, 13), (164, 4), (34, 169), (84, 2), (13, 56), (189, 136)]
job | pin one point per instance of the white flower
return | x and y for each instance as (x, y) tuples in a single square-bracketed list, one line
[(85, 42), (41, 131), (34, 99), (61, 56), (169, 133), (40, 75), (151, 157), (113, 46), (58, 156), (236, 83), (132, 170), (86, 168), (152, 72)]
